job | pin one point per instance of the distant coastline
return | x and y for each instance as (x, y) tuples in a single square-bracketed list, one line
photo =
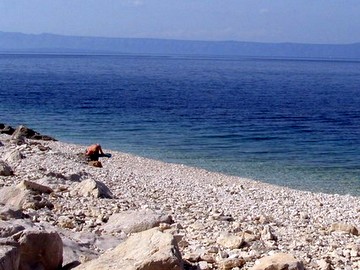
[(19, 43)]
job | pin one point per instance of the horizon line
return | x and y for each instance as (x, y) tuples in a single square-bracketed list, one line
[(179, 39)]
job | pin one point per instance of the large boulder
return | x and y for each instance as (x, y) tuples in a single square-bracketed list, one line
[(40, 250), (75, 253), (148, 250), (135, 221), (25, 247), (279, 261), (91, 188), (25, 195), (79, 247)]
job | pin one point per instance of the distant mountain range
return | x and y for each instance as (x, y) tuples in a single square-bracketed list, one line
[(50, 43)]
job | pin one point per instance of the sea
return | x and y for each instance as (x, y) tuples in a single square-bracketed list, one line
[(288, 122)]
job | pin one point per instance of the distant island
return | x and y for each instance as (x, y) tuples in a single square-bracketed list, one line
[(50, 43)]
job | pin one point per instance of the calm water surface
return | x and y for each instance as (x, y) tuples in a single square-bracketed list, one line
[(288, 122)]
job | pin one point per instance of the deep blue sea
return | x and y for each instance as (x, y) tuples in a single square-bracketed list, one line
[(291, 122)]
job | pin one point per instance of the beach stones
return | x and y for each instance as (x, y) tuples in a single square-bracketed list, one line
[(217, 221)]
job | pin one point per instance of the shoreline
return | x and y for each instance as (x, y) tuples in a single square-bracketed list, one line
[(203, 204), (281, 184)]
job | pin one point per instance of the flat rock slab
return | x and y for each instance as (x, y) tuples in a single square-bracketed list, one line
[(148, 250), (135, 221), (25, 195), (279, 261)]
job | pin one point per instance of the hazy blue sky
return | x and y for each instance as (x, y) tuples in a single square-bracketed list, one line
[(305, 21)]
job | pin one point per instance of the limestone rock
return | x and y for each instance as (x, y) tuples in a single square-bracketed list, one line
[(230, 240), (9, 257), (22, 131), (40, 250), (34, 187), (268, 233), (231, 263), (135, 221), (279, 261), (13, 156), (346, 228), (5, 169), (249, 236), (91, 188), (79, 247), (263, 219), (202, 265), (25, 195), (148, 250), (324, 265), (75, 253), (66, 222)]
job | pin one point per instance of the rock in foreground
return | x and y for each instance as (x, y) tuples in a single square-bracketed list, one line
[(147, 250)]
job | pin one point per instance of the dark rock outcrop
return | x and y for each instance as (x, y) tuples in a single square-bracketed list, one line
[(5, 129), (5, 169), (22, 132), (25, 132)]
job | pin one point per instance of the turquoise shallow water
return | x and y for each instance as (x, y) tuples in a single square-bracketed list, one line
[(288, 122)]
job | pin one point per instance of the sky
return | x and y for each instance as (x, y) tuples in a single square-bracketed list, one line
[(299, 21)]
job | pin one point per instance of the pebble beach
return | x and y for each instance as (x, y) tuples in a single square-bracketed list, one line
[(215, 217)]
